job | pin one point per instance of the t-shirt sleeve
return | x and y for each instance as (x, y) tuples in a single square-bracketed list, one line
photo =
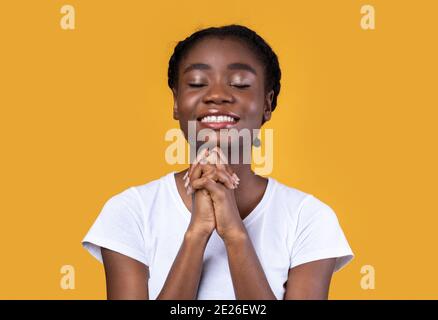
[(119, 227), (319, 236)]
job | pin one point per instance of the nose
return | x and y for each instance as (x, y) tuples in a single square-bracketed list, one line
[(218, 94)]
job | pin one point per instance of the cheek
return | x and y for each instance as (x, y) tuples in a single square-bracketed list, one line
[(252, 108), (187, 103)]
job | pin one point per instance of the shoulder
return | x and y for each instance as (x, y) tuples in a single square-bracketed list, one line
[(299, 204), (123, 223), (135, 198)]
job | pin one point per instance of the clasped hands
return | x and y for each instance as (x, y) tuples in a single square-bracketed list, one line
[(213, 181)]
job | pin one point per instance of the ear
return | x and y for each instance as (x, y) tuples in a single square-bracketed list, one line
[(267, 111), (175, 105)]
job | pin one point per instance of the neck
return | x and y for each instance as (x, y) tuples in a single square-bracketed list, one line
[(243, 171)]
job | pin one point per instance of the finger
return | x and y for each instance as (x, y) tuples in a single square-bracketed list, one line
[(218, 158), (222, 157), (211, 159), (223, 164), (200, 155), (223, 177), (196, 173), (216, 174), (211, 186), (201, 169), (215, 158)]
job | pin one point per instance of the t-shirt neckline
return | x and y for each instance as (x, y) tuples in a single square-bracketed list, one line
[(171, 180)]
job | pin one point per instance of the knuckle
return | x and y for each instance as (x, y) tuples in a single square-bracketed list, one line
[(210, 176)]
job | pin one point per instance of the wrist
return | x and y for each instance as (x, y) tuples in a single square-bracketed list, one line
[(235, 237), (197, 235)]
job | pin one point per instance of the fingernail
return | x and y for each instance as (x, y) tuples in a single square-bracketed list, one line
[(186, 183), (186, 175), (236, 177), (200, 155)]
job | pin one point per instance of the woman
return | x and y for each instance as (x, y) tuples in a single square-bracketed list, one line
[(217, 230)]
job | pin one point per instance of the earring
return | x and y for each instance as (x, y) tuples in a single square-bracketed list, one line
[(256, 142)]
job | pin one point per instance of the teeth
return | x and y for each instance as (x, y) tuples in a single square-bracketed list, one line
[(218, 119)]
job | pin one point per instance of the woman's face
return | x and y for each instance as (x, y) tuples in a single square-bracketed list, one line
[(223, 77)]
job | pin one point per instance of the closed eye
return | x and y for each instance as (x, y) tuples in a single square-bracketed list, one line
[(241, 86), (196, 85)]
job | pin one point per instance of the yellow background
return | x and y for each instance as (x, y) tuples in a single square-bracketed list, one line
[(84, 113)]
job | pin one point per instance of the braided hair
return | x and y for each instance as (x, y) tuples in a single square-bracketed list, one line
[(249, 37)]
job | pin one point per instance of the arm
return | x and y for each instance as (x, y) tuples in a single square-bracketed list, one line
[(307, 281), (184, 276), (249, 279), (126, 278), (310, 280)]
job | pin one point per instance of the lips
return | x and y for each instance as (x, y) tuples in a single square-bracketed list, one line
[(215, 119), (217, 125), (218, 120), (217, 113)]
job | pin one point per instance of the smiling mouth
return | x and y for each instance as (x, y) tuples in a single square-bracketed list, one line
[(218, 121)]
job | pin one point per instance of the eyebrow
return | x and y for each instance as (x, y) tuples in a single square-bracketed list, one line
[(232, 66)]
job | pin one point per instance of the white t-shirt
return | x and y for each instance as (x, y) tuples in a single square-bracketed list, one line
[(287, 228)]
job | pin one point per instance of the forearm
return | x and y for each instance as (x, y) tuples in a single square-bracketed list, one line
[(249, 279), (183, 278)]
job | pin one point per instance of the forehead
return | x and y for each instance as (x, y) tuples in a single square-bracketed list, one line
[(218, 53)]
